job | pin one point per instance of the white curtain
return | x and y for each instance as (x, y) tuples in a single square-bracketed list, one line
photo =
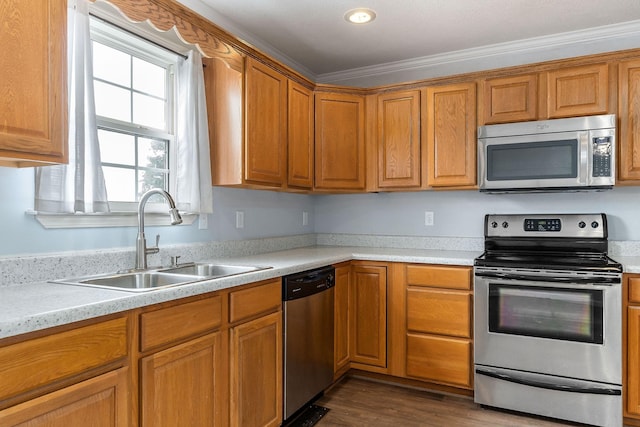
[(78, 186), (194, 190)]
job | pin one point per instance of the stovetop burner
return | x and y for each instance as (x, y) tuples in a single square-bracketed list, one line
[(546, 241)]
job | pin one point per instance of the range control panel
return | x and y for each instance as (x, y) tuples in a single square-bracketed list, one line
[(561, 225)]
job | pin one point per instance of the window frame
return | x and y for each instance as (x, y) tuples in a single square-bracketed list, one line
[(119, 217)]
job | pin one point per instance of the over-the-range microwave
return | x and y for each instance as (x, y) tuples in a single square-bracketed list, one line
[(571, 154)]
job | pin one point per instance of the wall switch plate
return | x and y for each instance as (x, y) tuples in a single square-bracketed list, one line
[(305, 218), (239, 219), (428, 218), (203, 221)]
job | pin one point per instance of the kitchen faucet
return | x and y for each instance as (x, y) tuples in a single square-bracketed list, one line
[(141, 244)]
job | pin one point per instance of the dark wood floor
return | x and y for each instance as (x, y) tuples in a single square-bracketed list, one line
[(361, 402)]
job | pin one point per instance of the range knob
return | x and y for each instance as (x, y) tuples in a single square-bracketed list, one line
[(595, 224), (494, 224), (582, 224), (505, 224)]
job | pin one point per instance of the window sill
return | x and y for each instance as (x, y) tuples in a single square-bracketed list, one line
[(111, 219)]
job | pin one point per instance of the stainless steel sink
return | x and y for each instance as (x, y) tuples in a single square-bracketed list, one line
[(148, 280), (213, 270), (139, 281)]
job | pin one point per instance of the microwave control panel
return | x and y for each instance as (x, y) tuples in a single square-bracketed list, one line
[(601, 156)]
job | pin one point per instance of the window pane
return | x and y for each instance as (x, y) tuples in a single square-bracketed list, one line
[(121, 184), (148, 111), (111, 65), (116, 147), (152, 153), (112, 101), (151, 179), (149, 78)]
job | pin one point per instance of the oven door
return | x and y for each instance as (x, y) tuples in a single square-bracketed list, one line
[(562, 324)]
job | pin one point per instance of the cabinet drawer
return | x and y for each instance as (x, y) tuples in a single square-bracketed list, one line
[(37, 362), (248, 303), (439, 312), (442, 360), (179, 322), (634, 290), (439, 276)]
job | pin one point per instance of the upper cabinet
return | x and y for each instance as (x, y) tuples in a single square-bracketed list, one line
[(629, 114), (578, 91), (265, 124), (33, 83), (300, 136), (398, 140), (451, 135), (247, 110), (510, 99), (562, 92), (339, 141)]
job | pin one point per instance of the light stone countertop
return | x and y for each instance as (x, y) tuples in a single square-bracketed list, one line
[(30, 307)]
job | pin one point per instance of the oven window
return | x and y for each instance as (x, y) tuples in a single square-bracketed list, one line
[(534, 160), (563, 314)]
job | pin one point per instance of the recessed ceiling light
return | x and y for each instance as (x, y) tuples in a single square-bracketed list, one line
[(360, 16)]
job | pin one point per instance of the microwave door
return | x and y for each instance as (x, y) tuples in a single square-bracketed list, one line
[(541, 161)]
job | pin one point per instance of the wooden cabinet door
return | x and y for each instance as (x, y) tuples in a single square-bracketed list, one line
[(578, 91), (451, 135), (256, 372), (341, 318), (633, 361), (181, 386), (266, 124), (369, 315), (399, 150), (98, 402), (339, 141), (33, 82), (300, 136), (629, 116), (510, 99)]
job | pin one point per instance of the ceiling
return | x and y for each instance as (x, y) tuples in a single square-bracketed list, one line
[(314, 36)]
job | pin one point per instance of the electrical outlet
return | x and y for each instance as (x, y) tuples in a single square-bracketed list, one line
[(428, 218), (305, 218), (239, 219), (203, 222)]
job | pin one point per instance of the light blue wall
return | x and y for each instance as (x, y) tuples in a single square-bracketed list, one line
[(267, 214), (270, 214), (461, 213)]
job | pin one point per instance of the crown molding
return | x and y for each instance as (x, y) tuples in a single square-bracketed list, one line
[(595, 40)]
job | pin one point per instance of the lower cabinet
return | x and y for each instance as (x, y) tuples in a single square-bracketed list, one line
[(439, 327), (98, 402), (631, 380), (368, 316), (180, 386), (341, 319), (256, 372), (255, 355)]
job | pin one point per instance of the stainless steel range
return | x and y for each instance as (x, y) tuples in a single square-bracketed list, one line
[(548, 320)]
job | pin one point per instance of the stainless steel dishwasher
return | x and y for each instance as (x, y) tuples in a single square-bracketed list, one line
[(308, 336)]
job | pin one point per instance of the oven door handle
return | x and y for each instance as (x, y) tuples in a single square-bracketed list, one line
[(557, 385), (554, 279)]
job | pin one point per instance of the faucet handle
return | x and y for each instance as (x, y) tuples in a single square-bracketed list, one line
[(153, 249), (174, 260)]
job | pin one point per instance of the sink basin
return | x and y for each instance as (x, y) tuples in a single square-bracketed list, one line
[(212, 270), (134, 282), (148, 280)]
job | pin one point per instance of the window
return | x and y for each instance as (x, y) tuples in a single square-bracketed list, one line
[(134, 97)]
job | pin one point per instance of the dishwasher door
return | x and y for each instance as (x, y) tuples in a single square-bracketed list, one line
[(308, 337)]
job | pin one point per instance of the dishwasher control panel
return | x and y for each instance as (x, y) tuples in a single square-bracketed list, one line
[(307, 283)]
